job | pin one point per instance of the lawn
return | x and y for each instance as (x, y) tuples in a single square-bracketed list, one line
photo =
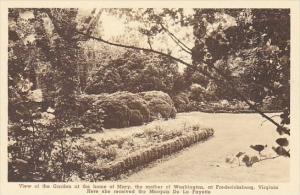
[(206, 162)]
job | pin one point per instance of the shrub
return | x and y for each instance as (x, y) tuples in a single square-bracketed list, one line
[(85, 102), (160, 109), (197, 92), (93, 118), (271, 103), (149, 95), (181, 102), (90, 115), (123, 109), (137, 105), (136, 118), (117, 114), (160, 104), (132, 71)]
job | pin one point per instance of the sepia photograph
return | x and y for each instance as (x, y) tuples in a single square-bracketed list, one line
[(145, 94), (99, 94)]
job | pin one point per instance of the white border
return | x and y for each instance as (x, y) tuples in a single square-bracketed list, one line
[(291, 188)]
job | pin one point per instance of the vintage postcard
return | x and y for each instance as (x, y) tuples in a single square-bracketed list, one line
[(150, 97)]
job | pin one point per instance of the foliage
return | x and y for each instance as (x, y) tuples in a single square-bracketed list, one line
[(123, 109), (93, 119), (181, 102), (265, 49), (243, 44), (160, 104), (242, 50), (220, 106), (39, 136), (119, 109), (134, 72), (59, 47), (118, 114), (261, 45)]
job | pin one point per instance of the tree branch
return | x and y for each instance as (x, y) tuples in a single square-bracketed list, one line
[(242, 96), (227, 80), (267, 120), (93, 21), (146, 50), (149, 43), (185, 50), (179, 43), (225, 77)]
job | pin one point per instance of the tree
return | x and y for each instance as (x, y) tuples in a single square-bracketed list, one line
[(215, 42), (40, 145), (50, 38), (59, 47), (255, 35), (134, 71)]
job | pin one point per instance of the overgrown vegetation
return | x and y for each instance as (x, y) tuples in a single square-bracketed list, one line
[(123, 109), (240, 60), (134, 72), (38, 135)]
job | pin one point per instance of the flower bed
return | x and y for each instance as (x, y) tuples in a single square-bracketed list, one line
[(109, 158)]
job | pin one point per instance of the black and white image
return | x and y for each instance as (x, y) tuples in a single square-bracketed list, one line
[(148, 94)]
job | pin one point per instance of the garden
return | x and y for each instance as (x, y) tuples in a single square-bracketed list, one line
[(88, 101)]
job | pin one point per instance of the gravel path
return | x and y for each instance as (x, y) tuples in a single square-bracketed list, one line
[(205, 162)]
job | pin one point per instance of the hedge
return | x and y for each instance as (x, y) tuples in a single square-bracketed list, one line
[(148, 155), (160, 104), (181, 102), (123, 109)]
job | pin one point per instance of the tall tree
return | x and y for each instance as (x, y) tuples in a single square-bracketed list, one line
[(59, 44), (41, 38), (215, 41)]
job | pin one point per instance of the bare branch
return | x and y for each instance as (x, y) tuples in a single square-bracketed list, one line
[(149, 43), (93, 21), (180, 43), (243, 97), (185, 50), (270, 117), (229, 81), (148, 50), (226, 78), (267, 158)]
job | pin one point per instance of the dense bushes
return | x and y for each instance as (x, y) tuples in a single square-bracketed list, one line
[(181, 102), (123, 109), (160, 104), (117, 113), (139, 111), (90, 115), (133, 71)]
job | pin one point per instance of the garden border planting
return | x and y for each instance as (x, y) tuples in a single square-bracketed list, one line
[(139, 158)]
